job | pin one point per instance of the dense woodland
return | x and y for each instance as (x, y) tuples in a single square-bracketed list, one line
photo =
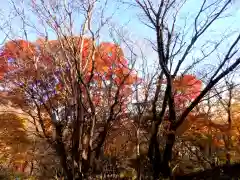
[(80, 98)]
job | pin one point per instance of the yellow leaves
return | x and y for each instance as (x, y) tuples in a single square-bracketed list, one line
[(235, 111), (12, 133), (14, 141), (129, 174)]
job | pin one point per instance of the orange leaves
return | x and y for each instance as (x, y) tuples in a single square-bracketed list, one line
[(19, 48), (131, 79), (3, 69), (15, 52), (110, 65), (48, 125), (219, 142), (99, 64), (59, 87), (109, 53), (108, 57), (87, 47), (109, 60), (186, 88)]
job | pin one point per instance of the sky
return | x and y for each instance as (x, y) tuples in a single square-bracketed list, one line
[(128, 19), (227, 25)]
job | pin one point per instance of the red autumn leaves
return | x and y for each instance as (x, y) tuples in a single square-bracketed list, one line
[(106, 61), (186, 89), (100, 64), (108, 57)]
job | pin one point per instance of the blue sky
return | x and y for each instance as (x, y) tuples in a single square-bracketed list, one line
[(130, 18), (134, 29), (226, 25)]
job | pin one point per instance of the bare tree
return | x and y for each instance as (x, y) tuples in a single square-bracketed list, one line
[(174, 48)]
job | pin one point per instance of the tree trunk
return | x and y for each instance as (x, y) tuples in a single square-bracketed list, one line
[(167, 155), (60, 149), (161, 162), (154, 156), (63, 159)]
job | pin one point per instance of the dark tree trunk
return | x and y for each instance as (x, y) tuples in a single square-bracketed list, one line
[(154, 156), (61, 152), (160, 163), (167, 156), (220, 172)]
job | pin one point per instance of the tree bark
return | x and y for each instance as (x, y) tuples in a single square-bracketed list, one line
[(167, 155), (60, 149), (154, 156)]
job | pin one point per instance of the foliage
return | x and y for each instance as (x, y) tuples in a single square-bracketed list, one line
[(42, 82), (14, 141), (186, 88), (30, 64), (78, 93)]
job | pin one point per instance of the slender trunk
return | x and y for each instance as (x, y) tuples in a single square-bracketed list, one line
[(77, 130), (102, 137), (61, 152), (139, 164), (167, 155), (155, 156)]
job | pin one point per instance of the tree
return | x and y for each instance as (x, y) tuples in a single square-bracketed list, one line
[(47, 81), (173, 50), (72, 87)]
